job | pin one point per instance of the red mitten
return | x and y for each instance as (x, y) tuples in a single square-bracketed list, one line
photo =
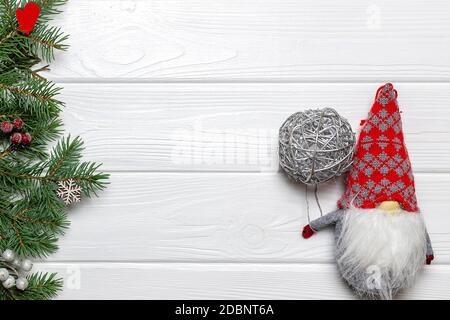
[(430, 258), (307, 232)]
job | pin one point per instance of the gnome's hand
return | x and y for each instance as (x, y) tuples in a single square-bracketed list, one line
[(307, 232), (429, 258)]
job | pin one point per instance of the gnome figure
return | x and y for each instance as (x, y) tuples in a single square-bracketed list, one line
[(381, 238)]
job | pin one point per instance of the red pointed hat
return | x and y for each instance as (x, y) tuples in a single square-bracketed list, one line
[(381, 169)]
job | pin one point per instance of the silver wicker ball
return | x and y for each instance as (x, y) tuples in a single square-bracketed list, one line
[(316, 146)]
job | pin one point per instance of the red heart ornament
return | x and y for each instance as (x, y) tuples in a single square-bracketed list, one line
[(27, 17)]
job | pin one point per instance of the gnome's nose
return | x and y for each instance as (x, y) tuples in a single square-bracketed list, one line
[(390, 207)]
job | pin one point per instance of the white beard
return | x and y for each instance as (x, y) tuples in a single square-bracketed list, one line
[(380, 253)]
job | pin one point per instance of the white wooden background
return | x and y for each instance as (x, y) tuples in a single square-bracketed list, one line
[(182, 100)]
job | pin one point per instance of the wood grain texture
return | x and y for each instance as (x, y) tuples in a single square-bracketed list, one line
[(234, 127), (224, 281), (182, 101), (220, 217), (253, 40)]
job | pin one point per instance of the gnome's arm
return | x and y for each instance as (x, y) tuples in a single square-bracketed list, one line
[(430, 252), (321, 223)]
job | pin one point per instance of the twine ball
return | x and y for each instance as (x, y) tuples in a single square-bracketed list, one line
[(316, 146)]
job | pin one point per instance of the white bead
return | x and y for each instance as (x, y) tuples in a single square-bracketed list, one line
[(16, 263), (21, 283), (4, 274), (27, 265), (9, 282), (8, 255)]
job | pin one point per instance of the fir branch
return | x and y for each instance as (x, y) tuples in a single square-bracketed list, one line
[(29, 240), (35, 73), (29, 92), (33, 221), (41, 286), (5, 152), (63, 164), (66, 153), (52, 223), (10, 35), (32, 216), (45, 40), (26, 92), (49, 8), (5, 6), (35, 96)]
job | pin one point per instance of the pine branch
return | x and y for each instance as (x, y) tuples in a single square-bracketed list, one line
[(45, 40), (34, 96), (33, 222), (63, 164), (32, 216), (49, 8), (42, 286), (7, 8), (66, 154), (10, 35)]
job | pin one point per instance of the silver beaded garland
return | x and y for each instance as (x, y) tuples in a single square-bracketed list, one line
[(21, 283), (316, 146), (26, 265), (14, 270), (8, 255), (9, 282), (4, 274), (16, 263)]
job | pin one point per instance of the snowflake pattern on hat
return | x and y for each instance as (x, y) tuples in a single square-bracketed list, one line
[(381, 169)]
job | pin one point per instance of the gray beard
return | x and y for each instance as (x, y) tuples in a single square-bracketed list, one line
[(379, 253)]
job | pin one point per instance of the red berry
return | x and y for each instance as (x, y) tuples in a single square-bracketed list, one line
[(18, 123), (16, 138), (6, 127), (26, 138)]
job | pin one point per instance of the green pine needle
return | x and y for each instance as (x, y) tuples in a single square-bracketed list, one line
[(32, 216), (41, 286)]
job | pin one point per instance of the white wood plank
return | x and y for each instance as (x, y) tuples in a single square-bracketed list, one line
[(287, 40), (224, 281), (234, 127), (221, 217)]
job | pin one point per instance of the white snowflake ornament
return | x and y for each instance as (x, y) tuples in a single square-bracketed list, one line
[(69, 191)]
